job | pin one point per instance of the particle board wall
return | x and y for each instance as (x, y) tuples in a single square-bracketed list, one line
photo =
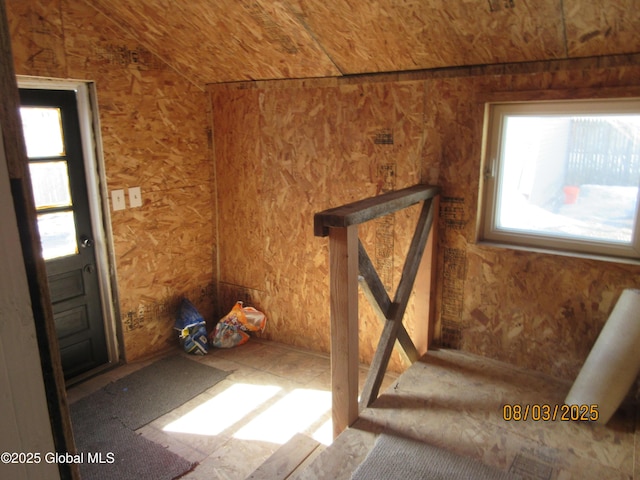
[(244, 40), (593, 30), (395, 36), (535, 310), (287, 149), (155, 135)]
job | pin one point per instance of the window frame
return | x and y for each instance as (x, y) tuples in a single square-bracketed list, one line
[(491, 168)]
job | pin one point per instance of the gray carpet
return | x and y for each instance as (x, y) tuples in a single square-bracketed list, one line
[(400, 458), (157, 389), (105, 421)]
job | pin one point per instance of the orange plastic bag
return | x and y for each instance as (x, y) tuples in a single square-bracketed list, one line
[(232, 329), (254, 320)]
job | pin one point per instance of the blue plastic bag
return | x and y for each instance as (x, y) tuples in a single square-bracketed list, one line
[(192, 329)]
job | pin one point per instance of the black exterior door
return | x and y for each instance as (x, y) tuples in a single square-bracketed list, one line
[(56, 164)]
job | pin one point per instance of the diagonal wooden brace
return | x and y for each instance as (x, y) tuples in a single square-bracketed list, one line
[(377, 296), (398, 307)]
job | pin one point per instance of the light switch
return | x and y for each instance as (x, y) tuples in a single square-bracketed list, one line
[(117, 198), (135, 197)]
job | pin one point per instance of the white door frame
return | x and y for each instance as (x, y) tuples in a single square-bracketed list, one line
[(98, 203)]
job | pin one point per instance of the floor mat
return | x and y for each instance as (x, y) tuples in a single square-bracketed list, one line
[(400, 458), (104, 422), (157, 389)]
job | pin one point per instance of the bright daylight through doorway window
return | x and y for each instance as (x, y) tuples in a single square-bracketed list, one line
[(563, 176)]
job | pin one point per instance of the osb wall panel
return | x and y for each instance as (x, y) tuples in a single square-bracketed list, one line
[(240, 40), (538, 311), (38, 26), (592, 29), (236, 40), (241, 199), (324, 143), (534, 310), (305, 149), (391, 36), (155, 133)]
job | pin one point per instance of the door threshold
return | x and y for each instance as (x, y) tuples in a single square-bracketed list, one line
[(90, 374)]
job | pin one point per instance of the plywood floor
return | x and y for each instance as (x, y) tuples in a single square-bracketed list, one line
[(455, 401), (272, 392), (450, 399)]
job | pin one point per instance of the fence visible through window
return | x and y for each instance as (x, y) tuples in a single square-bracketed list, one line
[(603, 152)]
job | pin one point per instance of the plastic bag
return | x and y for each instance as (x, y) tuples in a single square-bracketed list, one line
[(192, 329), (226, 335), (231, 329), (254, 320)]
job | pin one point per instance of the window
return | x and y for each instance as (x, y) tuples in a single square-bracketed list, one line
[(563, 176), (48, 166)]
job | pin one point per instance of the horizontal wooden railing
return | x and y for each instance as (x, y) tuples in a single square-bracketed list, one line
[(350, 265)]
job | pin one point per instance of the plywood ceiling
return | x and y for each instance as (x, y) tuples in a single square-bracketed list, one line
[(215, 41)]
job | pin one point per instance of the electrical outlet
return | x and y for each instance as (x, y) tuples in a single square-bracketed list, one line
[(117, 198), (135, 197)]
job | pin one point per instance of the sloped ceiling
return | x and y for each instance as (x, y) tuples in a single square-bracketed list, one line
[(215, 41)]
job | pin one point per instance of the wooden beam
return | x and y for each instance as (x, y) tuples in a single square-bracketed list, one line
[(343, 267), (371, 208)]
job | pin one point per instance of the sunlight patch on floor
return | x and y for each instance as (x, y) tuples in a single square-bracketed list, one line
[(324, 434), (293, 413), (222, 411)]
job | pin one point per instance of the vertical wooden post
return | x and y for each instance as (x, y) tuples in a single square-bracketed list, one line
[(343, 269), (425, 289)]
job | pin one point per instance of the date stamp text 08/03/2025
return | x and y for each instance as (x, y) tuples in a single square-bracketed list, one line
[(549, 413)]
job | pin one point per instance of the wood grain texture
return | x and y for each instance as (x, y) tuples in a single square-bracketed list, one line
[(215, 41), (39, 26), (396, 36), (601, 28), (379, 301), (343, 277), (227, 41), (285, 151), (284, 461), (530, 309), (395, 315), (258, 39), (368, 209)]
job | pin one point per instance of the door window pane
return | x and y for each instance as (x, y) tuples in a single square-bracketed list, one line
[(57, 234), (50, 182), (42, 131)]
